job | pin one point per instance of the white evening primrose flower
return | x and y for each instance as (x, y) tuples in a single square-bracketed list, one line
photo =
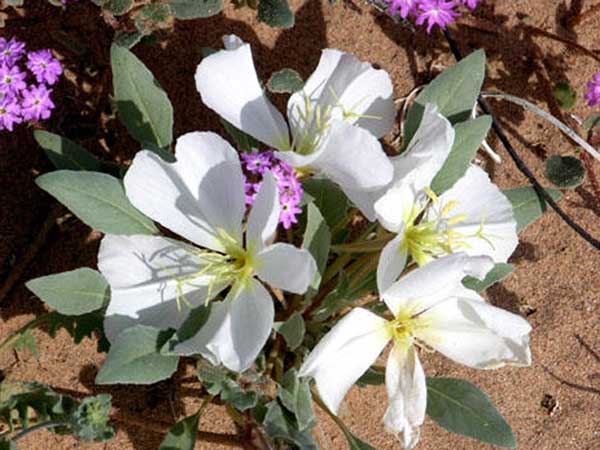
[(430, 309), (156, 280), (334, 121), (473, 216)]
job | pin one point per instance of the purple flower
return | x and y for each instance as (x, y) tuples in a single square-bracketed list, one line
[(436, 12), (471, 4), (10, 113), (44, 66), (406, 7), (12, 79), (289, 211), (257, 163), (593, 93), (11, 51), (37, 104)]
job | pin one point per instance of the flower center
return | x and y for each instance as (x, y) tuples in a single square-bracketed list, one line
[(403, 328)]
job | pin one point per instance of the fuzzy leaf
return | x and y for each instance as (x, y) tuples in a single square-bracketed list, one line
[(296, 398), (183, 434), (528, 205), (135, 358), (292, 331), (280, 424), (195, 9), (276, 13), (244, 141), (98, 200), (328, 198), (72, 293), (285, 81), (565, 172), (117, 7), (498, 273), (460, 407), (66, 154), (143, 105), (317, 240), (565, 95)]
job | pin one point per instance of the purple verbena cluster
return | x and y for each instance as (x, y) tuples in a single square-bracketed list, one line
[(255, 165), (25, 78), (593, 91), (433, 12)]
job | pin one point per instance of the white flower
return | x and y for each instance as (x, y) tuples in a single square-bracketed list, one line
[(334, 121), (473, 216), (155, 280), (431, 309)]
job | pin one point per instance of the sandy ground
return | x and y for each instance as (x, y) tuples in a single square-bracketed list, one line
[(557, 282)]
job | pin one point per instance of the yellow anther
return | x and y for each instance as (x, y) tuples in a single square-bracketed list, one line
[(432, 195), (449, 207)]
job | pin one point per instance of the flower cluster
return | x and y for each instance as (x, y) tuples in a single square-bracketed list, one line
[(434, 12), (593, 91), (25, 78), (255, 166)]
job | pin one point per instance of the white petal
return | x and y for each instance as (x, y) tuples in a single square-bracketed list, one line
[(395, 208), (196, 196), (354, 158), (142, 272), (264, 215), (477, 334), (344, 354), (342, 81), (391, 262), (231, 42), (286, 267), (485, 210), (228, 85), (439, 280), (236, 330), (427, 151), (407, 395)]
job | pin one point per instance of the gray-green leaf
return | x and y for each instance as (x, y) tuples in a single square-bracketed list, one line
[(498, 273), (72, 293), (462, 408), (565, 95), (528, 205), (276, 13), (280, 424), (454, 91), (293, 330), (296, 398), (317, 240), (183, 434), (328, 197), (135, 358), (469, 136), (195, 9), (565, 172), (143, 105), (66, 154), (98, 199), (285, 81), (117, 7)]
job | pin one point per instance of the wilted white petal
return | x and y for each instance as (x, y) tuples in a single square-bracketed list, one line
[(143, 274), (236, 330), (264, 215), (354, 158), (196, 196), (345, 84), (228, 85), (487, 216), (391, 262), (286, 267), (426, 152), (407, 394), (478, 334), (437, 281), (344, 354)]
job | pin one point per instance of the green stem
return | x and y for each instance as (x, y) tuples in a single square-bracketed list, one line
[(10, 341), (39, 426)]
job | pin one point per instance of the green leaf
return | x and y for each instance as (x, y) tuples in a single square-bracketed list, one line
[(152, 17), (460, 407), (218, 381), (355, 443), (90, 421), (374, 376), (143, 105), (591, 121), (212, 378), (244, 141), (195, 9), (72, 293), (328, 197), (27, 341), (280, 424), (135, 358), (285, 81), (317, 240), (7, 445), (97, 199), (292, 330), (183, 434), (469, 136), (528, 205), (565, 172), (498, 273), (128, 40), (565, 95), (454, 91), (66, 154), (117, 7), (80, 327), (276, 13), (296, 398)]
